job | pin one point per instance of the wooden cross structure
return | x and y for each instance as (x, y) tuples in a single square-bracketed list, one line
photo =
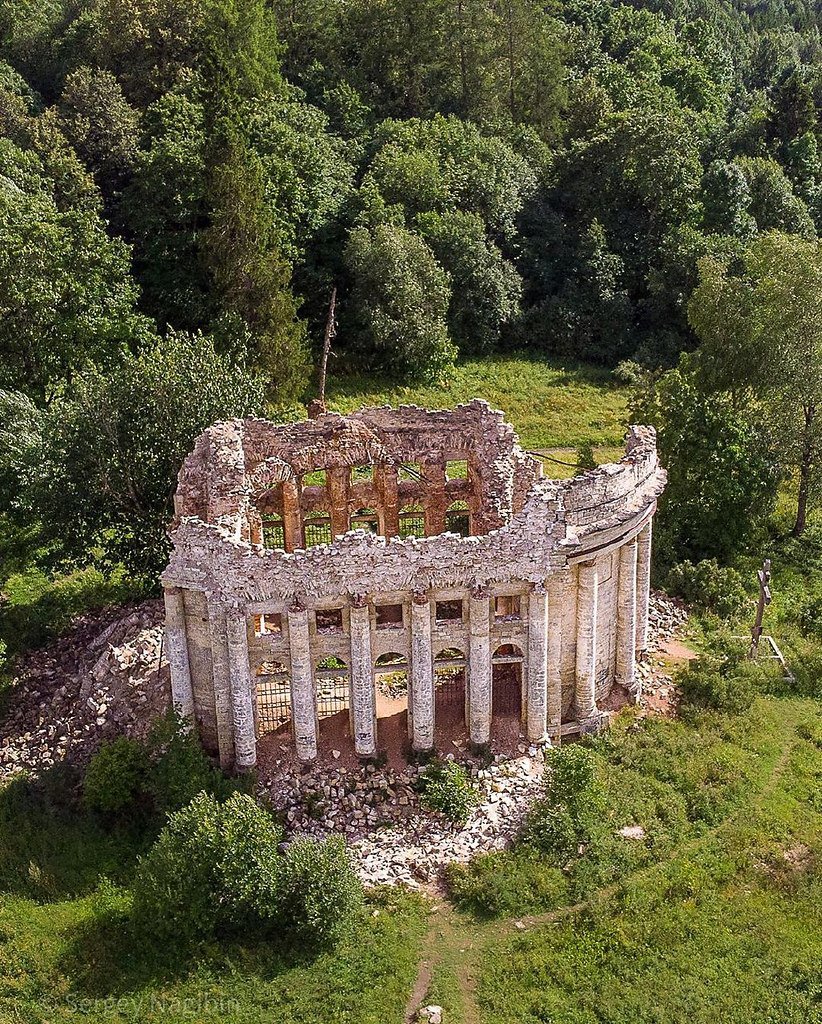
[(764, 576)]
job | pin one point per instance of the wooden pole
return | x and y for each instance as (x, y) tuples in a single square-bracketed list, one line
[(764, 576)]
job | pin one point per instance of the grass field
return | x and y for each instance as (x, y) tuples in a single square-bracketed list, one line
[(552, 403), (714, 915)]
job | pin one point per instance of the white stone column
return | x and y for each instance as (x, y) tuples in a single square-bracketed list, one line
[(537, 711), (217, 625), (362, 681), (643, 587), (303, 704), (182, 692), (422, 675), (626, 616), (479, 670), (557, 592), (242, 698), (587, 599)]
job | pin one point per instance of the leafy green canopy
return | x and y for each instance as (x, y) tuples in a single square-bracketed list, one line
[(760, 323), (101, 468)]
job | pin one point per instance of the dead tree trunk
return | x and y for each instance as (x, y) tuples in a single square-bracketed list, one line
[(330, 332)]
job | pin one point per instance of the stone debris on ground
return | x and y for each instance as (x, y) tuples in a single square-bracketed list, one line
[(103, 679), (109, 677), (667, 618), (391, 838)]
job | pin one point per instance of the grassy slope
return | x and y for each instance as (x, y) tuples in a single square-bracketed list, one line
[(716, 916), (552, 403), (704, 920)]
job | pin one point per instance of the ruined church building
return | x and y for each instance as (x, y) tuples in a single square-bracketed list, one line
[(314, 561)]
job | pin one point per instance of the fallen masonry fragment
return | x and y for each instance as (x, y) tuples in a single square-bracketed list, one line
[(333, 578)]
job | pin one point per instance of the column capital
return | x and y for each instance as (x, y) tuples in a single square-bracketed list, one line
[(359, 600), (480, 591), (421, 597)]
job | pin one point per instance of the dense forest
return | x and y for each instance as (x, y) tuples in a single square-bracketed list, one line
[(184, 182)]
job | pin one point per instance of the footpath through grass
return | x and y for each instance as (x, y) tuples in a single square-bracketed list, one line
[(552, 403)]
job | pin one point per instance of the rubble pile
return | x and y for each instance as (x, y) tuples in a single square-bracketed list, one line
[(104, 679), (391, 838)]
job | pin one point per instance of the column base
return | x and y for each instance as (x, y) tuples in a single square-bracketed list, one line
[(421, 755), (593, 723)]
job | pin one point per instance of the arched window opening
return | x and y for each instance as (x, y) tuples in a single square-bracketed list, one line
[(458, 518), (273, 530), (456, 469), (317, 528), (333, 687), (273, 709), (391, 672), (412, 521), (366, 519), (392, 698), (362, 474), (508, 654)]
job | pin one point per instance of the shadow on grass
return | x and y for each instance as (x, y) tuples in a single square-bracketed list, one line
[(110, 956), (51, 847)]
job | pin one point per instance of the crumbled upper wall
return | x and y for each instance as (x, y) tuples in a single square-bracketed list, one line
[(542, 523), (236, 458)]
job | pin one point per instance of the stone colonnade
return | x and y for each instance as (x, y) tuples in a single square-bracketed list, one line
[(549, 644)]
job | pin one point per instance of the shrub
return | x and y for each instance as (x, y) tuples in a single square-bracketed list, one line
[(176, 887), (559, 823), (505, 884), (445, 788), (115, 776), (178, 766), (216, 867), (585, 457), (805, 661), (725, 682), (569, 775), (708, 585), (318, 890)]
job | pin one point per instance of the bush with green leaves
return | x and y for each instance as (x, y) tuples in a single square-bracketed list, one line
[(159, 775), (178, 767), (805, 662), (707, 585), (178, 883), (116, 775), (445, 788), (561, 821), (318, 891), (724, 681), (216, 868)]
